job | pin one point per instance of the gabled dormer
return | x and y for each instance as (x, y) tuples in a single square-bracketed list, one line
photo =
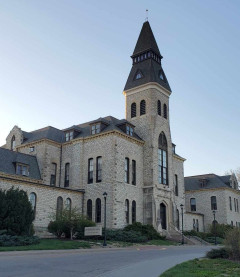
[(126, 127), (71, 133), (97, 126)]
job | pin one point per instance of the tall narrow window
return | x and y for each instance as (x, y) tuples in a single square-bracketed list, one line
[(133, 211), (90, 171), (193, 204), (59, 207), (165, 111), (133, 172), (235, 207), (53, 174), (127, 170), (13, 143), (89, 209), (127, 210), (159, 107), (214, 203), (142, 107), (176, 185), (230, 203), (133, 110), (68, 204), (162, 160), (197, 225), (129, 130), (98, 213), (33, 201), (178, 220), (67, 169), (99, 170)]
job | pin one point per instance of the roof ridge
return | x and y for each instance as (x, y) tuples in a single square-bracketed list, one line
[(201, 175)]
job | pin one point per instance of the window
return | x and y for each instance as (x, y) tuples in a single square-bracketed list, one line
[(129, 130), (13, 143), (133, 172), (53, 174), (161, 75), (139, 74), (235, 206), (133, 110), (197, 225), (59, 206), (90, 171), (133, 211), (194, 224), (142, 107), (214, 203), (127, 210), (162, 160), (176, 185), (99, 170), (22, 170), (165, 111), (178, 220), (68, 205), (127, 170), (96, 129), (67, 169), (193, 204), (68, 136), (89, 209), (159, 107), (31, 149), (33, 201), (230, 203), (98, 211)]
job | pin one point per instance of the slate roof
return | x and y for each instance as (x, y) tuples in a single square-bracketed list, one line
[(212, 181), (83, 130), (8, 160)]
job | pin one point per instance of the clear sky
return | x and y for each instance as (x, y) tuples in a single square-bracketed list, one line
[(66, 62)]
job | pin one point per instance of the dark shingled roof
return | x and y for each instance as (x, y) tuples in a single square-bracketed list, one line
[(212, 181), (8, 160), (146, 40)]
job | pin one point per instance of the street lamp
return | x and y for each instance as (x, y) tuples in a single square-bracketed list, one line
[(182, 223), (214, 226), (105, 219)]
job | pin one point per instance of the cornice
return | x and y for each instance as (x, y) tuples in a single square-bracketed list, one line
[(179, 158), (213, 189)]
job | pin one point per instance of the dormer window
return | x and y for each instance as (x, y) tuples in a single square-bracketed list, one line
[(32, 149), (138, 76), (68, 136), (161, 75), (22, 169), (96, 129), (129, 130)]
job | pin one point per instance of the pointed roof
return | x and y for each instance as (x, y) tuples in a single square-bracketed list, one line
[(146, 40)]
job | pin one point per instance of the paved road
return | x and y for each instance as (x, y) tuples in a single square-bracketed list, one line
[(135, 262)]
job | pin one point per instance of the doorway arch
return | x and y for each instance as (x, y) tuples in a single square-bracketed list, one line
[(163, 216)]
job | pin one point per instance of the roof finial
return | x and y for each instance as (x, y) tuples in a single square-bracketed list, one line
[(146, 15)]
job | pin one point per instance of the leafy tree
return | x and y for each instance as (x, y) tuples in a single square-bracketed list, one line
[(16, 213)]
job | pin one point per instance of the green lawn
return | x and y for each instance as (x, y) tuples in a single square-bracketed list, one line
[(204, 268), (49, 244)]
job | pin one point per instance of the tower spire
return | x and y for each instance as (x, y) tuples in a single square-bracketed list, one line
[(146, 15)]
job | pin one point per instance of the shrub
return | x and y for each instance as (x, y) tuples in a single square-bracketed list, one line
[(145, 230), (127, 236), (221, 253), (7, 240), (81, 224), (221, 230), (232, 243), (16, 212), (56, 227)]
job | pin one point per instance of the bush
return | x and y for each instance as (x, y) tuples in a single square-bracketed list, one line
[(81, 224), (16, 212), (57, 227), (232, 243), (127, 236), (221, 253), (7, 240), (145, 230), (221, 230)]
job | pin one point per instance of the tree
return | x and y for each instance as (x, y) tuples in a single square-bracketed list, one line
[(16, 213), (236, 172)]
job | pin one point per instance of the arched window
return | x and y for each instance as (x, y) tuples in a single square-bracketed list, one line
[(193, 204), (98, 213), (165, 111), (33, 201), (159, 107), (127, 170), (127, 210), (133, 110), (68, 204), (133, 211), (66, 181), (89, 209), (162, 160), (213, 202), (13, 143), (59, 206), (142, 107)]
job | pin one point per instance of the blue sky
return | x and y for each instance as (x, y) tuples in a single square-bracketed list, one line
[(66, 62)]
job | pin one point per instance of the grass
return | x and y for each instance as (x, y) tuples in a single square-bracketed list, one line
[(49, 244), (204, 268)]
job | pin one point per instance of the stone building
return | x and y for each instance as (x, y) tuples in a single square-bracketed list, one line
[(208, 194), (132, 159)]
